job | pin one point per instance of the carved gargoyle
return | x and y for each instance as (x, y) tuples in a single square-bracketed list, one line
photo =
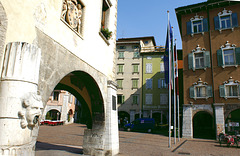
[(32, 105)]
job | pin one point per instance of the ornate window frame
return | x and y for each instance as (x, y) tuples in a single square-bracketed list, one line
[(228, 46), (195, 19), (229, 82), (192, 58), (199, 84), (222, 14)]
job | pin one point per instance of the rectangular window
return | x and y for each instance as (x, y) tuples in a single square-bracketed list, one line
[(162, 83), (120, 83), (55, 95), (120, 99), (135, 47), (163, 99), (121, 55), (162, 67), (122, 47), (105, 13), (134, 83), (199, 60), (148, 99), (135, 99), (120, 68), (200, 91), (197, 26), (148, 67), (135, 68), (225, 22), (136, 55), (231, 90), (229, 57), (149, 84)]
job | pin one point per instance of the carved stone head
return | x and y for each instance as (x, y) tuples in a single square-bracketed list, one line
[(33, 105)]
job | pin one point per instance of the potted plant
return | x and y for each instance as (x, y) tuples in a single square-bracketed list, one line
[(106, 33)]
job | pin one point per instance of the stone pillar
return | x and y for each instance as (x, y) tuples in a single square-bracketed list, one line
[(103, 138), (219, 115), (187, 127), (111, 122), (20, 105), (65, 109)]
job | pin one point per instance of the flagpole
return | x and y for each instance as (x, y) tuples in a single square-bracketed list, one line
[(169, 87), (174, 92), (177, 89)]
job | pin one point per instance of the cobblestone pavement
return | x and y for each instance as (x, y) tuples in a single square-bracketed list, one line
[(67, 141)]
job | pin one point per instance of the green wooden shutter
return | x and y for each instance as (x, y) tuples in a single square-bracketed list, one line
[(207, 59), (191, 92), (123, 99), (209, 91), (237, 55), (190, 61), (219, 57), (222, 90)]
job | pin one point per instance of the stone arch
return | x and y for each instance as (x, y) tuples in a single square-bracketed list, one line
[(203, 125), (231, 120), (230, 108), (55, 114)]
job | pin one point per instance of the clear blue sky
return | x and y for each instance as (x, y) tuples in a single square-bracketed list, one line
[(139, 18)]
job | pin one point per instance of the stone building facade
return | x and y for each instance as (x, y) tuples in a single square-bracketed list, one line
[(211, 58), (131, 62), (47, 45)]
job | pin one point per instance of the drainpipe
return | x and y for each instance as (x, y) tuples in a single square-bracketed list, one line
[(210, 44)]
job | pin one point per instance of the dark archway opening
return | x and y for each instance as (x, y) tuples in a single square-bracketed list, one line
[(203, 126), (232, 122), (123, 118), (53, 115)]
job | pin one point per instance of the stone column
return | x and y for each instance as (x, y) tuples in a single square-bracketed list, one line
[(219, 115), (103, 138), (20, 105), (111, 123), (65, 109), (187, 127)]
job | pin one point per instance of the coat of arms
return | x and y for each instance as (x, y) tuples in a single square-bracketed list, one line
[(72, 13)]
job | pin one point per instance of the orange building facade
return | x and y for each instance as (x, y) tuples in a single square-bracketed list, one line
[(211, 67)]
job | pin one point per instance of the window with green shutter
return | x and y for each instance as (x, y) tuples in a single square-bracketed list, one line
[(230, 89), (120, 83), (135, 68), (135, 99), (228, 55), (120, 99), (136, 54), (134, 83), (200, 90), (121, 55), (199, 59), (120, 68)]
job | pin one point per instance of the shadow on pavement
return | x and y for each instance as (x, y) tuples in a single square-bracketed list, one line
[(47, 146)]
